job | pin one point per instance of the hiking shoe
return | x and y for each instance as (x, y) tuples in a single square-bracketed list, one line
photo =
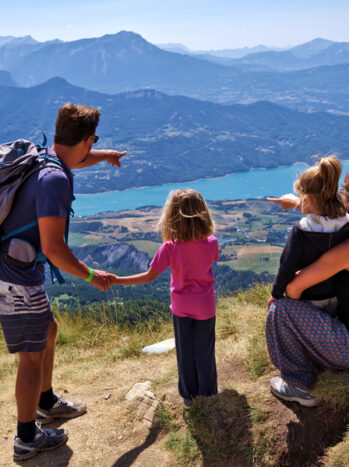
[(287, 392), (44, 441), (61, 409), (43, 420)]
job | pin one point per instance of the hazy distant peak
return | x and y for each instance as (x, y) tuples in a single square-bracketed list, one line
[(55, 82), (312, 47), (12, 40), (126, 39), (128, 36), (175, 47)]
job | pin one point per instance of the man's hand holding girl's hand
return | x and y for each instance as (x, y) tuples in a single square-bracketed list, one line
[(102, 280)]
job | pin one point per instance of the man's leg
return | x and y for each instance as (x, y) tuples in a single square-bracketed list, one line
[(30, 438), (29, 384), (49, 355), (25, 318), (47, 397), (51, 406)]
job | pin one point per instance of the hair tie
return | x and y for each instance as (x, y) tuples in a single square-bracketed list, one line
[(192, 216)]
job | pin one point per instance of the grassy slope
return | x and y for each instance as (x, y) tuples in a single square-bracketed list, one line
[(242, 426)]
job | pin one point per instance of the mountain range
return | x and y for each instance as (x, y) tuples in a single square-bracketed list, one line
[(126, 62), (265, 56), (174, 138), (297, 58), (224, 53)]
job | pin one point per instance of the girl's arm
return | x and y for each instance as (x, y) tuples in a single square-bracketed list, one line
[(289, 201), (326, 266), (142, 278)]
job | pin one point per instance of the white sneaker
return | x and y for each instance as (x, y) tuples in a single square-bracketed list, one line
[(287, 392)]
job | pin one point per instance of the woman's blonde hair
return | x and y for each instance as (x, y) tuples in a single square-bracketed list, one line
[(185, 217), (321, 181)]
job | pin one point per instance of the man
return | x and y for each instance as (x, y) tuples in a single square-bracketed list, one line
[(25, 315)]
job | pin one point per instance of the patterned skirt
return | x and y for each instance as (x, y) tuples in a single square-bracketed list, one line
[(303, 340)]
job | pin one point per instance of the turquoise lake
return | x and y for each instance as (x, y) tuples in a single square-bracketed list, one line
[(243, 185)]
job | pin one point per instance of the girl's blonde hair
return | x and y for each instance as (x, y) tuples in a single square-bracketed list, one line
[(185, 217), (321, 181)]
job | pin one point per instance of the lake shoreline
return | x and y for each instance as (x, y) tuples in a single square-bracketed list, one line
[(254, 184), (254, 169)]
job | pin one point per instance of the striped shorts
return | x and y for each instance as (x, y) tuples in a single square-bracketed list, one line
[(25, 317)]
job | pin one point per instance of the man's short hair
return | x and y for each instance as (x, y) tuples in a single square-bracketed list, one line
[(75, 123)]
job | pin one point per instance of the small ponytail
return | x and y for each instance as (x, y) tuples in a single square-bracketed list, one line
[(321, 181)]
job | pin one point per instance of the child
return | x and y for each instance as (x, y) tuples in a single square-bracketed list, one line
[(326, 223), (189, 249)]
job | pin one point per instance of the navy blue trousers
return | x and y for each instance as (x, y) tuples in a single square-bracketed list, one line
[(195, 349)]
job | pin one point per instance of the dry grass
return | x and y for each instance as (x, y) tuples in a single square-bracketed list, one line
[(242, 426)]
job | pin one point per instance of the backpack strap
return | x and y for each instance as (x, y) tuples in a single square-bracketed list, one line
[(13, 233), (40, 257)]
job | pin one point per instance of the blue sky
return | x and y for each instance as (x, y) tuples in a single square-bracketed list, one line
[(198, 24)]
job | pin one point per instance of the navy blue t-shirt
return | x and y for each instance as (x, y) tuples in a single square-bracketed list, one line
[(48, 192)]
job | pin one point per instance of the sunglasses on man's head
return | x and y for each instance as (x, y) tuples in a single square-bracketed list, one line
[(95, 139)]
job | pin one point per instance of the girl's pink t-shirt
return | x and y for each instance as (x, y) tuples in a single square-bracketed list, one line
[(192, 291)]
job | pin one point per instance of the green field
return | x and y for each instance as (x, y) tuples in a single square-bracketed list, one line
[(146, 246), (256, 263)]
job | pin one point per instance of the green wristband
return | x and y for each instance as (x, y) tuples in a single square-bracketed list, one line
[(90, 277)]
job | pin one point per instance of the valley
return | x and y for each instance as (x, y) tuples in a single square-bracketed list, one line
[(251, 235)]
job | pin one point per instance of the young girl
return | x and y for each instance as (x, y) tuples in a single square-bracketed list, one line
[(189, 249), (325, 225)]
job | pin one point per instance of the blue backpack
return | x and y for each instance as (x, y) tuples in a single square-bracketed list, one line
[(18, 161)]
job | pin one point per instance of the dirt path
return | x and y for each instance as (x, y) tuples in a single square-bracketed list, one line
[(242, 425), (108, 434)]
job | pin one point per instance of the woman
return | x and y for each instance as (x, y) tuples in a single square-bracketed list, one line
[(302, 339)]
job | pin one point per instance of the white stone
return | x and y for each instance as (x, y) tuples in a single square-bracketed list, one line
[(160, 347), (137, 390)]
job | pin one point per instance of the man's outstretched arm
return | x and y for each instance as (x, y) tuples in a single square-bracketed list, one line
[(99, 155)]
